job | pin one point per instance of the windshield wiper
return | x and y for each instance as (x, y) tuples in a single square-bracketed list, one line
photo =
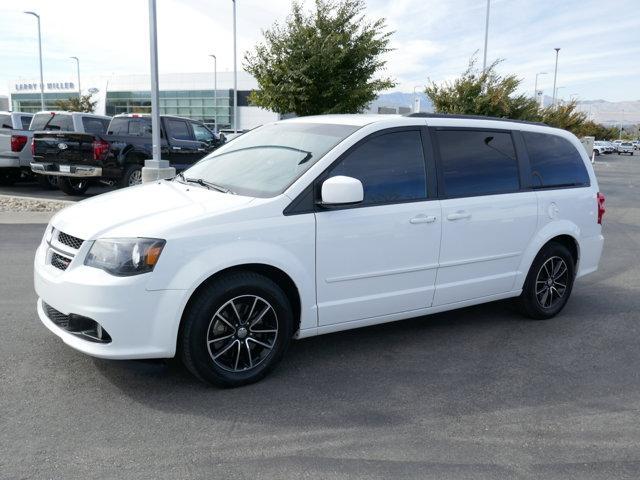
[(204, 183)]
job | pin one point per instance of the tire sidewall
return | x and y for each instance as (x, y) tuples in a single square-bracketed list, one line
[(128, 171), (64, 183), (532, 307), (203, 310)]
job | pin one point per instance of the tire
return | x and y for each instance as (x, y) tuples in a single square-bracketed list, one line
[(132, 175), (73, 186), (8, 177), (550, 260), (597, 152), (48, 182), (241, 356)]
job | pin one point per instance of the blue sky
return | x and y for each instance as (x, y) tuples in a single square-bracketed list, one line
[(599, 57)]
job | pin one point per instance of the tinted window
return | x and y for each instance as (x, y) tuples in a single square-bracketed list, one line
[(179, 129), (130, 126), (477, 162), (5, 121), (50, 121), (202, 133), (25, 121), (390, 166), (94, 125), (555, 162)]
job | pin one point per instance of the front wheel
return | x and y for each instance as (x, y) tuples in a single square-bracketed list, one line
[(236, 330), (73, 186), (549, 282)]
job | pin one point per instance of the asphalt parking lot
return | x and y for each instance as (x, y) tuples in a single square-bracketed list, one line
[(476, 393)]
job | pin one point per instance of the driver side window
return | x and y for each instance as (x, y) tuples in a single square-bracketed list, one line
[(202, 133), (390, 166)]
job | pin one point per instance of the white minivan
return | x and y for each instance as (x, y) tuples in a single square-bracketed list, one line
[(313, 225)]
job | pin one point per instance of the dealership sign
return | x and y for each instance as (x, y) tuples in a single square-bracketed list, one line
[(33, 87)]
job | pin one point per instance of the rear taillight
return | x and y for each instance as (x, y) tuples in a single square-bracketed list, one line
[(33, 147), (601, 207), (100, 149), (18, 142)]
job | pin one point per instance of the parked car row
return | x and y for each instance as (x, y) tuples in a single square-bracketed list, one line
[(601, 147), (72, 149)]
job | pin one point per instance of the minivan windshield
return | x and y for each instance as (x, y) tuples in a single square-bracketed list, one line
[(265, 161)]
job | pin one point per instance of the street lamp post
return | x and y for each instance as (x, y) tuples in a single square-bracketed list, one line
[(215, 92), (535, 89), (555, 76), (235, 73), (155, 168), (416, 100), (486, 37), (40, 54), (79, 87)]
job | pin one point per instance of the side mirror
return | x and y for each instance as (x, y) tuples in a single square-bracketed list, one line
[(341, 190)]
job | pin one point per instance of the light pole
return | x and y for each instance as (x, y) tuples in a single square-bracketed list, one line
[(79, 88), (555, 76), (235, 73), (40, 53), (535, 88), (155, 168), (416, 99), (215, 92), (486, 37)]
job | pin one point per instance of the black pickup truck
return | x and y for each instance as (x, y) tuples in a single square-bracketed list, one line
[(117, 157)]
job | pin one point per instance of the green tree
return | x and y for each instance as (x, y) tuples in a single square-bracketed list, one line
[(564, 116), (326, 61), (483, 93), (75, 104)]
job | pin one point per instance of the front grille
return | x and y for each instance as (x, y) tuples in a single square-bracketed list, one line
[(78, 325), (69, 240), (59, 261)]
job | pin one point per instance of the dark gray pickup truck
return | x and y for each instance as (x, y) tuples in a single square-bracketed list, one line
[(117, 157)]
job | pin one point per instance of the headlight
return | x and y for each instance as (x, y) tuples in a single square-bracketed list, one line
[(125, 256)]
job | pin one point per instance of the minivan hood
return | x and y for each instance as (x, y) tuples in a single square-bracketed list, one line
[(143, 210)]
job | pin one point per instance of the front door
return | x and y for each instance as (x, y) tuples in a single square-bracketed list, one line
[(379, 257), (487, 221), (184, 150)]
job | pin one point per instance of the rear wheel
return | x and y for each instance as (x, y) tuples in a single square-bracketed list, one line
[(549, 282), (236, 330), (48, 182), (131, 176), (73, 186), (8, 176)]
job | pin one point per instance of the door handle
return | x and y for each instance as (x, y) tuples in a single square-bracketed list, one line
[(423, 219), (201, 150), (458, 216), (176, 148)]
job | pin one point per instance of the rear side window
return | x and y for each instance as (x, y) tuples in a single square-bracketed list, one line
[(130, 126), (178, 129), (5, 121), (475, 162), (49, 121), (25, 121), (555, 162), (390, 166), (97, 126)]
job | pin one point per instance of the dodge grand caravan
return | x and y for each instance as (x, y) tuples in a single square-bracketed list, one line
[(319, 224)]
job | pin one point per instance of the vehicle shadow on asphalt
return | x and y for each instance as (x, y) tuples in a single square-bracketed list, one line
[(474, 360)]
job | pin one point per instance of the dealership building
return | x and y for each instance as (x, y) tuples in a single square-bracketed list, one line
[(190, 95)]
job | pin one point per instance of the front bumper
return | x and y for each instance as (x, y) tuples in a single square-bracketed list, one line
[(141, 323), (61, 170)]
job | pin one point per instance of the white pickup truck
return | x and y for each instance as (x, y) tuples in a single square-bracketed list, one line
[(15, 140)]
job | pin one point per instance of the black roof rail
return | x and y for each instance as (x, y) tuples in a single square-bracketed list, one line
[(472, 117)]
